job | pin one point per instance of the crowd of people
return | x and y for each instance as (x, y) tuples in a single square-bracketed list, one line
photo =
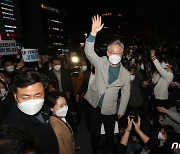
[(42, 102)]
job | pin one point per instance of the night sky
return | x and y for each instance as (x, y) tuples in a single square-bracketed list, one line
[(80, 14), (165, 13)]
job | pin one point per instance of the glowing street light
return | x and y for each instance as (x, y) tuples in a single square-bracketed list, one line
[(75, 59)]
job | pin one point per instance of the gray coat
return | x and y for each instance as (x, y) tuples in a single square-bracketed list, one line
[(172, 118), (101, 85)]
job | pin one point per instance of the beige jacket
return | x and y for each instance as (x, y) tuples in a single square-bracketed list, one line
[(64, 135), (101, 86)]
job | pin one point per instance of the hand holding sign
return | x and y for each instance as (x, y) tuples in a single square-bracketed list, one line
[(30, 55)]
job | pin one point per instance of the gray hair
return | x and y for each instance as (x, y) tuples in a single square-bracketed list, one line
[(115, 42)]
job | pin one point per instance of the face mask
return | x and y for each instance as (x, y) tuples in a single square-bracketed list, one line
[(160, 136), (18, 56), (50, 68), (142, 66), (2, 79), (62, 111), (114, 59), (10, 68), (40, 66), (84, 68), (57, 67), (31, 107), (132, 77), (3, 92)]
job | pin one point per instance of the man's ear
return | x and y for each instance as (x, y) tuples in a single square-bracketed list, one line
[(15, 96), (107, 53)]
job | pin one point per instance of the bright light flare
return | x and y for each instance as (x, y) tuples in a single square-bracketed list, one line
[(75, 59)]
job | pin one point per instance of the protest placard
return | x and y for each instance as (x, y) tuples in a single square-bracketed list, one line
[(30, 55), (8, 47)]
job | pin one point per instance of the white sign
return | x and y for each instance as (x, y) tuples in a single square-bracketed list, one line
[(30, 55), (175, 145), (8, 47)]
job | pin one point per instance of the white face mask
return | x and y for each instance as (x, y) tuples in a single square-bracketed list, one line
[(142, 66), (40, 66), (62, 112), (114, 59), (50, 68), (57, 67), (84, 68), (160, 136), (2, 79), (10, 68), (3, 92), (31, 107), (132, 77)]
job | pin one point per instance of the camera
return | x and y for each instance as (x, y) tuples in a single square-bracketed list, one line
[(134, 117)]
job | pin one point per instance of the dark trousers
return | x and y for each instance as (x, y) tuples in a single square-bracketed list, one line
[(83, 105), (109, 123)]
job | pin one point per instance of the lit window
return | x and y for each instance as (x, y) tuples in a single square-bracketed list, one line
[(9, 30), (7, 4), (55, 21), (7, 13), (4, 8), (10, 26), (9, 18), (55, 28)]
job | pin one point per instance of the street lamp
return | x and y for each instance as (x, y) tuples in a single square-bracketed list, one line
[(75, 59)]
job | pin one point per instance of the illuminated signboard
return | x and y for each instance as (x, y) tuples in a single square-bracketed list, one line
[(49, 8)]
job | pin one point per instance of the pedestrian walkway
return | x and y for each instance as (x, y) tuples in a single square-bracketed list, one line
[(82, 138)]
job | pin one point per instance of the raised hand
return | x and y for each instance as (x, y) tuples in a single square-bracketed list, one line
[(138, 124), (152, 52), (130, 121), (162, 110), (96, 25)]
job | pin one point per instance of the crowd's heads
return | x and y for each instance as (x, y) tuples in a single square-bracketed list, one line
[(3, 89), (57, 101), (29, 91), (4, 76), (166, 65), (27, 78), (17, 140), (7, 65), (52, 97), (56, 63), (167, 132), (85, 64)]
